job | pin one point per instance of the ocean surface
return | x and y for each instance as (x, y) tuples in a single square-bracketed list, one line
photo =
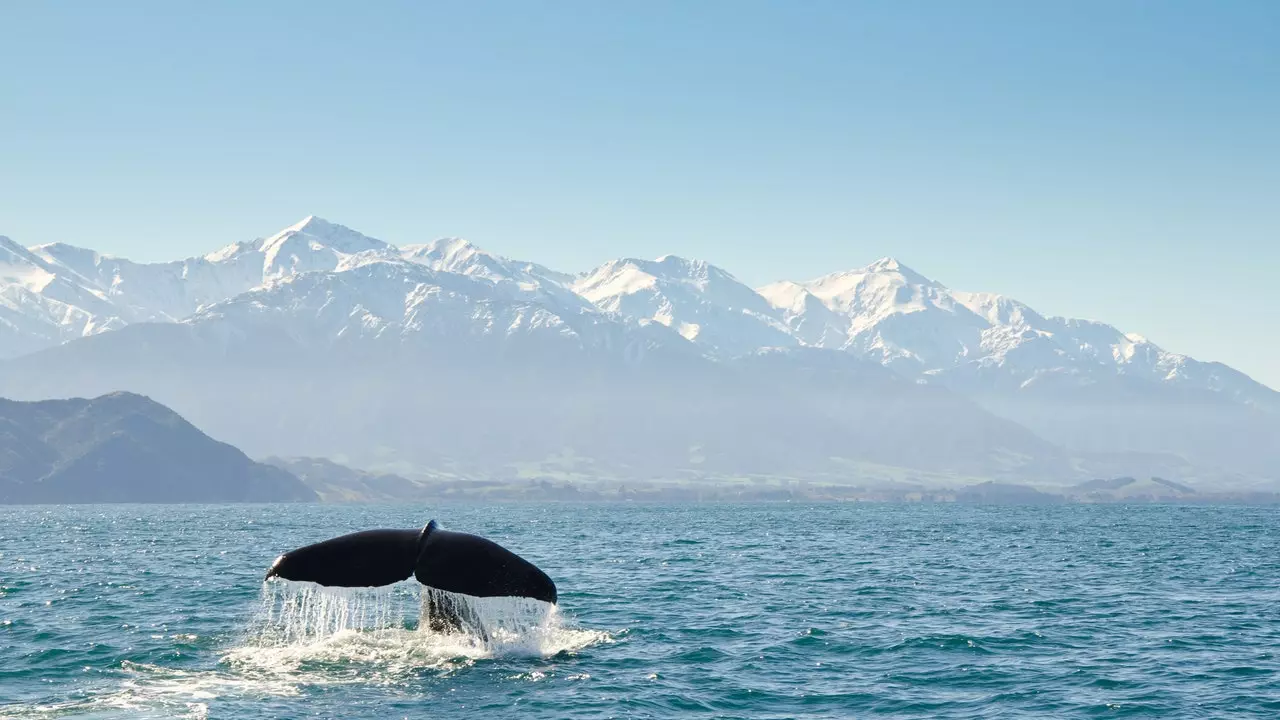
[(666, 611)]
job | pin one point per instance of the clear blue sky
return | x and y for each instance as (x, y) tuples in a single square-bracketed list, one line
[(1116, 160)]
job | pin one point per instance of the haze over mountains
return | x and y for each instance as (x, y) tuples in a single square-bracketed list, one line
[(442, 358)]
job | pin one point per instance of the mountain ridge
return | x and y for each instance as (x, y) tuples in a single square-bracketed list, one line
[(317, 286), (863, 298)]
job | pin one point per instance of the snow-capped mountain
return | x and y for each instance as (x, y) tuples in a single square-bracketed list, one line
[(171, 291), (281, 326), (397, 302), (42, 304), (884, 312), (456, 255), (311, 245), (702, 302), (526, 279), (64, 291), (890, 313)]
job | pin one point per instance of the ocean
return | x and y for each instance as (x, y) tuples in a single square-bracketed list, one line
[(666, 611)]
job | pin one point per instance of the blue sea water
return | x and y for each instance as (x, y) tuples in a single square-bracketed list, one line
[(667, 611)]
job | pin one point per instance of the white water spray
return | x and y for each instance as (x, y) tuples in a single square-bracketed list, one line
[(399, 628), (305, 613)]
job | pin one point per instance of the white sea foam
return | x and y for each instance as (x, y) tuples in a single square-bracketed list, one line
[(306, 635), (386, 632), (154, 691)]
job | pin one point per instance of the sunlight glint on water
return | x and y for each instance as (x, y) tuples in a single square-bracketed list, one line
[(666, 611)]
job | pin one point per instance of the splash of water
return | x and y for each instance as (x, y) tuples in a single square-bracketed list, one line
[(305, 613), (385, 633), (305, 635), (494, 625)]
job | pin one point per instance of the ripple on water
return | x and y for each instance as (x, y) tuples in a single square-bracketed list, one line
[(666, 611)]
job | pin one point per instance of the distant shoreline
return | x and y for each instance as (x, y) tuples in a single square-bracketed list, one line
[(712, 498)]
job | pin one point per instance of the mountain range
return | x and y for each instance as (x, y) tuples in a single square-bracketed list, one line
[(444, 359)]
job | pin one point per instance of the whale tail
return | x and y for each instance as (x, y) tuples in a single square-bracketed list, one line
[(441, 559)]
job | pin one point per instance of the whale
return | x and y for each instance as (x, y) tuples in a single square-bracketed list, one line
[(445, 560)]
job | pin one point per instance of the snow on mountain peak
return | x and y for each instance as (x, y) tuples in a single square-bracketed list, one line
[(44, 303), (13, 255), (73, 257), (883, 287), (309, 245), (892, 266), (885, 311), (888, 312), (452, 254), (321, 232), (287, 251), (700, 301), (892, 314), (885, 264), (21, 267), (526, 279), (228, 252), (627, 276), (613, 280), (35, 270), (308, 221), (682, 264), (786, 295)]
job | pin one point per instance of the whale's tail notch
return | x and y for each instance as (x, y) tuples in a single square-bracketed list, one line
[(442, 559)]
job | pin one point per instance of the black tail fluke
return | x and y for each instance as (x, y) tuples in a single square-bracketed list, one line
[(471, 565), (451, 561), (371, 558)]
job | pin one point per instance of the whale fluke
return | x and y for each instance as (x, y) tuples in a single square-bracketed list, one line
[(442, 559), (370, 558), (472, 565)]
